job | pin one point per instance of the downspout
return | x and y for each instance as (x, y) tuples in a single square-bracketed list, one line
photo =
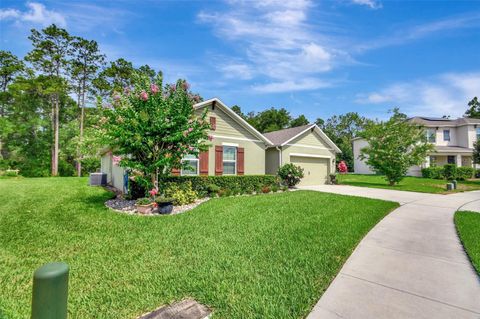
[(279, 156)]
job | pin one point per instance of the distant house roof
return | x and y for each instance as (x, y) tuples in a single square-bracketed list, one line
[(453, 149), (282, 137), (435, 121)]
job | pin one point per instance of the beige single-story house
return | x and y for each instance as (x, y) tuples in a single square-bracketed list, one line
[(239, 149)]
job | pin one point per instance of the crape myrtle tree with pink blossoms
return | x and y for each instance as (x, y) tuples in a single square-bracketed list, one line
[(154, 126)]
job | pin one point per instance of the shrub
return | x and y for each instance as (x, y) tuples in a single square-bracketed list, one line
[(10, 173), (182, 194), (203, 184), (164, 200), (477, 173), (290, 174), (435, 172), (450, 171), (274, 188), (212, 190), (464, 173), (143, 201), (265, 189), (332, 179), (284, 188)]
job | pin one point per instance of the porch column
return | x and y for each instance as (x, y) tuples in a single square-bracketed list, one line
[(458, 160), (427, 163)]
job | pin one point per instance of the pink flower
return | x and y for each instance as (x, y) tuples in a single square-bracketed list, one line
[(173, 87), (154, 88), (116, 160), (185, 133), (107, 105), (153, 192), (126, 90), (185, 85), (210, 138), (190, 129), (143, 95), (191, 148), (116, 97)]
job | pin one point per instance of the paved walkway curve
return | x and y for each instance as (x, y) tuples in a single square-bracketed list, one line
[(410, 265)]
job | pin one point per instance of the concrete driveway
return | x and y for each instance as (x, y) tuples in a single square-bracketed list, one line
[(410, 265)]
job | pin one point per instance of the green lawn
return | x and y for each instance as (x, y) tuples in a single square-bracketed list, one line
[(266, 256), (412, 184), (468, 227)]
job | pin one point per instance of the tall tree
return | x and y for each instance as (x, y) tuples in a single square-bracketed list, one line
[(10, 67), (299, 121), (473, 110), (85, 64), (270, 120), (114, 78), (51, 49), (341, 129), (394, 146)]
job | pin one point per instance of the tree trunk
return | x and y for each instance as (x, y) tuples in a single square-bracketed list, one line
[(391, 183), (56, 136), (81, 104)]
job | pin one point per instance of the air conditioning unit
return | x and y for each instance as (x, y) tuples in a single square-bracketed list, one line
[(98, 179)]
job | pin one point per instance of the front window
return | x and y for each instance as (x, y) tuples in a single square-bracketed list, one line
[(229, 160), (451, 159), (192, 168), (446, 135), (431, 135)]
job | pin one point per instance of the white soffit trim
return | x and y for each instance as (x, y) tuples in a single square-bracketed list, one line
[(309, 155), (236, 138), (230, 144), (234, 116), (310, 146)]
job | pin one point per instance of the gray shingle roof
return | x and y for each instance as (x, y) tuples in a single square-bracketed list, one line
[(430, 121), (281, 136)]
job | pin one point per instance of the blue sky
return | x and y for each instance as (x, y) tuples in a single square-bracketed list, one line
[(318, 58)]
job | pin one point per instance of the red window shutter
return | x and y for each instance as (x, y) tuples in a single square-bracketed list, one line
[(213, 123), (218, 160), (203, 158), (175, 171), (240, 161)]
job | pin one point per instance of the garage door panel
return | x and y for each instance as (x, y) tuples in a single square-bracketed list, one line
[(315, 169)]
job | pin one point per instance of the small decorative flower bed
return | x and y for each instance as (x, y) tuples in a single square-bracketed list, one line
[(126, 206)]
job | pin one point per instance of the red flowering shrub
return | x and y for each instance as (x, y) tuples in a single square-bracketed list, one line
[(342, 167)]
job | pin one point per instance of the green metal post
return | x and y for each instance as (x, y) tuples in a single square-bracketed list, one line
[(50, 291)]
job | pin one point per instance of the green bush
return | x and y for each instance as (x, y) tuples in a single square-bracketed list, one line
[(464, 173), (242, 184), (182, 194), (290, 174), (143, 201), (450, 171), (10, 173), (435, 172), (477, 173)]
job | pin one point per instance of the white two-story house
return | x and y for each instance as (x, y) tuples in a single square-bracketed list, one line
[(453, 140)]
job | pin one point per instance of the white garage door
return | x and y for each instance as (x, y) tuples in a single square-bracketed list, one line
[(315, 170)]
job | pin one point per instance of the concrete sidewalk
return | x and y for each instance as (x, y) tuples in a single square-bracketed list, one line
[(410, 265)]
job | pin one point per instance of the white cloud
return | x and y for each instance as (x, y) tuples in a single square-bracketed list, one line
[(372, 4), (276, 41), (292, 85), (445, 94), (420, 31), (36, 13), (237, 70)]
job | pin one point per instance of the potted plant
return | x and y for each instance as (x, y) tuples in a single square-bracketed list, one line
[(144, 205), (164, 204)]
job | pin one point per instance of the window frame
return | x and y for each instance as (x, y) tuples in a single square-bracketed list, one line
[(454, 161), (431, 132), (197, 160), (235, 161), (449, 137)]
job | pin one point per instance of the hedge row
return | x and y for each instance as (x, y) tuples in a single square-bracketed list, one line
[(203, 185), (449, 172)]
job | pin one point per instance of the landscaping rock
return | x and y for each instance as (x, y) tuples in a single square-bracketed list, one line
[(128, 206)]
